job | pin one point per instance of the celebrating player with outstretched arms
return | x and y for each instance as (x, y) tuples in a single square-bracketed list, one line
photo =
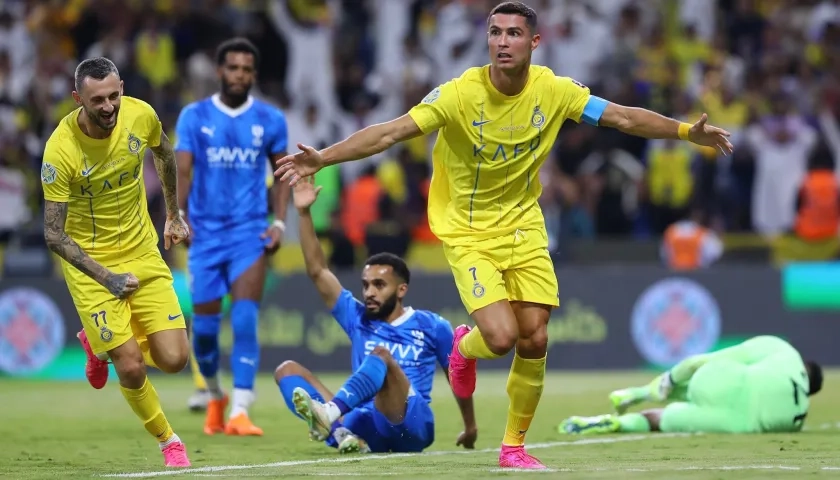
[(496, 125)]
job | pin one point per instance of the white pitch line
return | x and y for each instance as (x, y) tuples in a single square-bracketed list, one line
[(653, 470), (312, 474), (550, 470), (294, 463)]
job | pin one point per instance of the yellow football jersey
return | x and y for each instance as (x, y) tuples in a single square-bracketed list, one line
[(101, 180), (490, 148)]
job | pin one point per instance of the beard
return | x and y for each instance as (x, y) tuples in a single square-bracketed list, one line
[(237, 97), (383, 310), (106, 124)]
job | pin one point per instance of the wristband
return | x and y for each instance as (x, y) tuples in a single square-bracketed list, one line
[(683, 131), (280, 224)]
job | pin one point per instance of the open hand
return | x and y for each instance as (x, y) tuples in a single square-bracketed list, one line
[(710, 136), (300, 165), (305, 193)]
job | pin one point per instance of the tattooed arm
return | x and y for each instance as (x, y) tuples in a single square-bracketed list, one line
[(176, 230), (55, 216), (167, 170)]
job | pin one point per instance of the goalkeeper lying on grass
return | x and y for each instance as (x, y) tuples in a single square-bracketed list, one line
[(761, 385)]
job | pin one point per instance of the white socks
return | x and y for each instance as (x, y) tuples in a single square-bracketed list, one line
[(173, 439), (240, 402), (333, 413)]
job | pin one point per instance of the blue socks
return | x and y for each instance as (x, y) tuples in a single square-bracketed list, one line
[(206, 343), (363, 385), (289, 384), (245, 355)]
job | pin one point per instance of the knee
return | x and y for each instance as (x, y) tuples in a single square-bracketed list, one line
[(131, 371), (536, 342), (173, 362), (388, 361), (385, 355), (382, 353), (287, 369), (174, 358), (502, 339)]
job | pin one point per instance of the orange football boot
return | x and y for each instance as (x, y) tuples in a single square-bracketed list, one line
[(214, 422), (242, 426)]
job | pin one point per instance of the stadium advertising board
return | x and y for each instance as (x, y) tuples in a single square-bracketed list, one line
[(610, 318)]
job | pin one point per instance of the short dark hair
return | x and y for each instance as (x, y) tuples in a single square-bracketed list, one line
[(396, 263), (517, 8), (238, 45), (815, 377), (96, 68)]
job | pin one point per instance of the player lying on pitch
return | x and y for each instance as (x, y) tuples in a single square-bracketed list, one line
[(384, 405), (761, 385)]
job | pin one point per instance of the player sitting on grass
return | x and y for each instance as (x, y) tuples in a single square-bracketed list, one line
[(384, 405), (761, 385)]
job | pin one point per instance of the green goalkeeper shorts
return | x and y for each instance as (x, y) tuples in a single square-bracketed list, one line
[(717, 401)]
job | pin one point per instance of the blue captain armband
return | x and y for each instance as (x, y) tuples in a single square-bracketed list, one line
[(593, 110)]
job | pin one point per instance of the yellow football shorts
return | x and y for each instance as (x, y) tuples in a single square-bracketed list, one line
[(110, 322), (513, 267)]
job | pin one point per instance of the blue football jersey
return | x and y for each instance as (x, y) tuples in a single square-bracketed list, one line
[(419, 340), (231, 149)]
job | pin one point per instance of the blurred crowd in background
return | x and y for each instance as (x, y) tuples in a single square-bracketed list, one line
[(766, 70)]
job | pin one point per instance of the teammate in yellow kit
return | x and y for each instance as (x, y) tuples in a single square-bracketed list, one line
[(496, 126), (96, 219)]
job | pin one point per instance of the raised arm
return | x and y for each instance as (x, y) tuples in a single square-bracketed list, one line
[(371, 140), (648, 124), (362, 144), (325, 280), (55, 217)]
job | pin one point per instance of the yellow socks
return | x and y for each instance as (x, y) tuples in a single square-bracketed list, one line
[(146, 404), (472, 346), (198, 378), (524, 387)]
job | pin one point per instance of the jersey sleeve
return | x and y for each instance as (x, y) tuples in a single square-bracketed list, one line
[(443, 341), (577, 103), (347, 312), (437, 109), (280, 139), (55, 173), (184, 141), (153, 122)]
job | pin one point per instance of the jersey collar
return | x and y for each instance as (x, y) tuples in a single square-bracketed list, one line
[(407, 313), (231, 112)]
